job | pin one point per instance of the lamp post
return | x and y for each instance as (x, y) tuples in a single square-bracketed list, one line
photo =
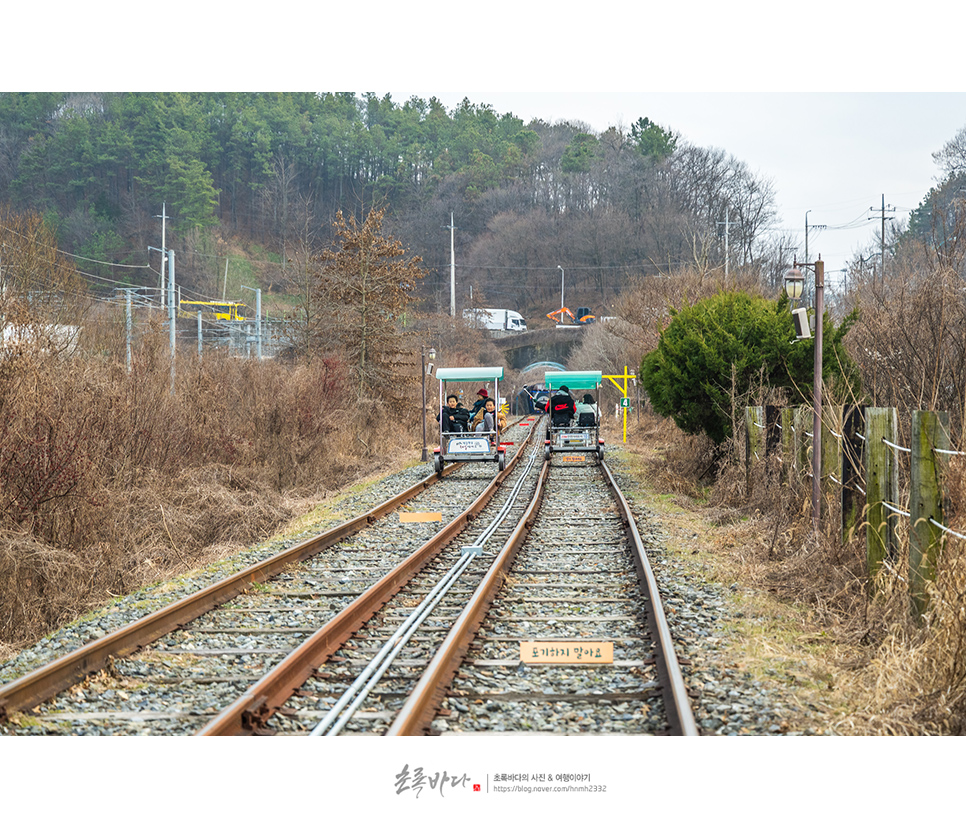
[(452, 267), (425, 371), (561, 291), (794, 284)]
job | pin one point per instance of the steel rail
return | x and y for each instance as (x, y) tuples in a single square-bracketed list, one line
[(58, 675), (420, 708), (250, 713), (675, 692), (353, 698)]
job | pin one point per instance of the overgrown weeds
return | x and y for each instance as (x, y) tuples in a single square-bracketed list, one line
[(109, 479), (898, 673)]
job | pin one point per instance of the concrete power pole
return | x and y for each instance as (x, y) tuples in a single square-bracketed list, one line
[(452, 266), (727, 227), (258, 323), (128, 326), (883, 211), (171, 328), (163, 217)]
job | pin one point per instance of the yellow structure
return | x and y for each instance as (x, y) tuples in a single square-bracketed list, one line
[(221, 310), (622, 387)]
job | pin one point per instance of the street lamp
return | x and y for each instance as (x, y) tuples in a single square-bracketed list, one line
[(561, 292), (426, 370), (794, 282)]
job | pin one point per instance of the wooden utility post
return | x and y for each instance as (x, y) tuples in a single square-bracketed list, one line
[(817, 396)]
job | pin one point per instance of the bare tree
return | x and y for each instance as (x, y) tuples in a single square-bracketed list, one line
[(952, 157)]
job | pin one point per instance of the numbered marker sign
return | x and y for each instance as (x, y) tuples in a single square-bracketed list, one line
[(625, 402)]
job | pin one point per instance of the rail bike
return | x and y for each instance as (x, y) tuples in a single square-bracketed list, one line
[(468, 445), (574, 430)]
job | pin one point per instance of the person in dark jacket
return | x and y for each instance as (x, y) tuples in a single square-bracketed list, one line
[(561, 407), (483, 395), (455, 417), (587, 412)]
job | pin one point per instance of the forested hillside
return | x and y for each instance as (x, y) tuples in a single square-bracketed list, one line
[(267, 172)]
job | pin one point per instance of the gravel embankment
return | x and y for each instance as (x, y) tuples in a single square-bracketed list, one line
[(727, 700)]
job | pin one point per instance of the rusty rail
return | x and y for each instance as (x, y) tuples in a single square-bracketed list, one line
[(58, 675), (677, 704), (250, 712), (420, 708)]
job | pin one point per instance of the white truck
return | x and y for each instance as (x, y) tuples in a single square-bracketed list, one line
[(496, 319)]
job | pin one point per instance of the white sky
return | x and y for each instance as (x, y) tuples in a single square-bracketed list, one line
[(759, 81), (833, 155)]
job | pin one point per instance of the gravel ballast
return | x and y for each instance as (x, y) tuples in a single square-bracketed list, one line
[(727, 699)]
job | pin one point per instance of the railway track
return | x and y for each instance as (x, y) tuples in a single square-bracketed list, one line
[(142, 677), (279, 650), (554, 606)]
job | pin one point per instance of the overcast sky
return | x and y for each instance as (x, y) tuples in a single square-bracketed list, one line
[(833, 155)]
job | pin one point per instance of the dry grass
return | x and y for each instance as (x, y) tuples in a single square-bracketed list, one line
[(108, 480), (848, 651)]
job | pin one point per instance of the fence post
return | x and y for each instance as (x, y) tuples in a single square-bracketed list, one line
[(831, 465), (803, 428), (790, 470), (930, 431), (773, 431), (881, 485), (754, 441), (853, 425)]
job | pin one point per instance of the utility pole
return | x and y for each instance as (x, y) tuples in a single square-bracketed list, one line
[(258, 319), (883, 211), (807, 227), (258, 323), (561, 292), (171, 313), (727, 226), (164, 251), (452, 266), (817, 396), (128, 325)]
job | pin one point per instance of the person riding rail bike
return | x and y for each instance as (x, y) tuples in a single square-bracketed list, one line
[(561, 407)]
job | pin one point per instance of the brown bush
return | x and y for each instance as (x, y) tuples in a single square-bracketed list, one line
[(108, 479)]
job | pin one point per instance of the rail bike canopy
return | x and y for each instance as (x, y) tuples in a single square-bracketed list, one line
[(469, 374), (580, 380)]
